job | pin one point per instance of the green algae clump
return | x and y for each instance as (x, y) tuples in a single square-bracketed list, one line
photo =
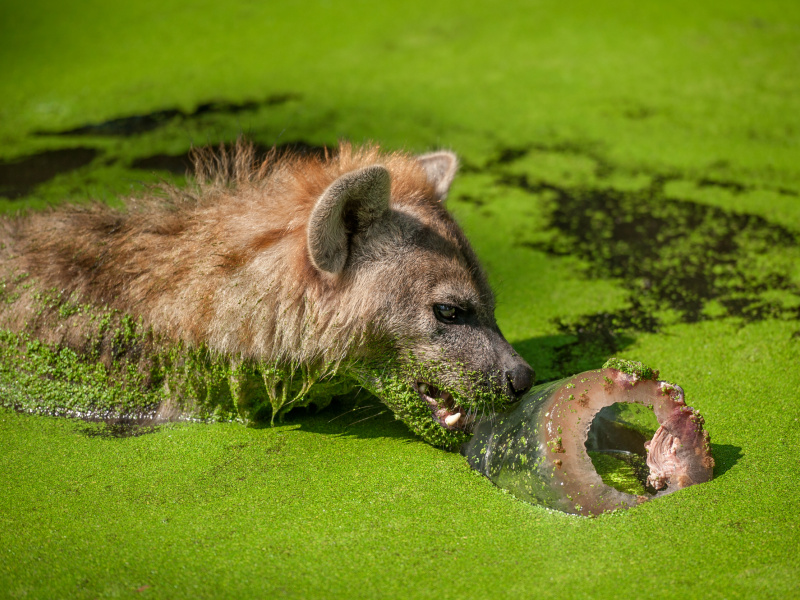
[(632, 367)]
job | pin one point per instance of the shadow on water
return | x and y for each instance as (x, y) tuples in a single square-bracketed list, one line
[(358, 415), (362, 416), (136, 124), (725, 457), (584, 344)]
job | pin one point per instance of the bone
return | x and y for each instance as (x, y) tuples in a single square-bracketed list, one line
[(539, 449)]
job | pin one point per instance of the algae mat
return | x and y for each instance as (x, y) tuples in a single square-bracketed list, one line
[(631, 181)]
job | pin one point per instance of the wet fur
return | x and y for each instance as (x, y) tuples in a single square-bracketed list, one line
[(227, 263)]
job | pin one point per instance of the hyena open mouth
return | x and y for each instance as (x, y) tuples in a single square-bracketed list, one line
[(444, 409), (439, 401)]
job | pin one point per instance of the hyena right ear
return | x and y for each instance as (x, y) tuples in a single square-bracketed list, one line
[(349, 205), (440, 167)]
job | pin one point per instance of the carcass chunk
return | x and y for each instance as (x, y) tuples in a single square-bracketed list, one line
[(538, 451)]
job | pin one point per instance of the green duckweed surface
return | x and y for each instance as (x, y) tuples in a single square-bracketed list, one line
[(630, 181)]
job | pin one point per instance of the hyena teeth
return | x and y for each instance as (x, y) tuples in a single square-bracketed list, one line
[(452, 419), (423, 388)]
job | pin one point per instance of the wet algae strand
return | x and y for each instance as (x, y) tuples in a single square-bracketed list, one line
[(541, 451), (75, 359)]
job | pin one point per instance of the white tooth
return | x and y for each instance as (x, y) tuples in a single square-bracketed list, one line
[(452, 419), (423, 388)]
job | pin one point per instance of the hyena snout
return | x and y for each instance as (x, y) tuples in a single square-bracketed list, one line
[(519, 378), (516, 376)]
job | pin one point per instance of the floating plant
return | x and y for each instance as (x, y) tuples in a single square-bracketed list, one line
[(552, 447)]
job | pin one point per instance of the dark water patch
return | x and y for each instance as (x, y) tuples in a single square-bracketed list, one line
[(508, 155), (732, 186), (120, 427), (639, 112), (470, 199), (19, 177), (123, 126), (136, 124), (678, 260), (300, 148), (596, 337), (180, 164), (739, 188), (672, 253)]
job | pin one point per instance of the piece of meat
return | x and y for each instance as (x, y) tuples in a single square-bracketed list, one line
[(538, 450)]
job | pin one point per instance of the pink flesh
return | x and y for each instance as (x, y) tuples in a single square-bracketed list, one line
[(679, 453)]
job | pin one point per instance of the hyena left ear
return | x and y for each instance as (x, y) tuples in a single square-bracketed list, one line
[(349, 205), (441, 168)]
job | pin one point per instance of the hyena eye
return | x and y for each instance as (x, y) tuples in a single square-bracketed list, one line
[(446, 313)]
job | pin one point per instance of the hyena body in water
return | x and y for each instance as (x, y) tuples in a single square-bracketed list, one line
[(263, 286)]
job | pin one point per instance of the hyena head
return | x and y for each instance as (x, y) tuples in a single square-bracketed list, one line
[(433, 352)]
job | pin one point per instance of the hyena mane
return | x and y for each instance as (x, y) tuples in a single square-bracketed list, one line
[(265, 284)]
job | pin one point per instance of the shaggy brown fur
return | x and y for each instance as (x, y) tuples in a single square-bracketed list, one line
[(297, 260)]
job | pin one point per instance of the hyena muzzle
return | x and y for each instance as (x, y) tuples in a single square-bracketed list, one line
[(264, 285)]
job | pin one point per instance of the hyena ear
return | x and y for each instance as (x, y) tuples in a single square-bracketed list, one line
[(441, 168), (349, 205)]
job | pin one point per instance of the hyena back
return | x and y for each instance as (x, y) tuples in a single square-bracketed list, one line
[(265, 285)]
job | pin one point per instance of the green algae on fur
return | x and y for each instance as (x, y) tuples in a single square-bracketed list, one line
[(392, 384), (78, 359), (172, 382)]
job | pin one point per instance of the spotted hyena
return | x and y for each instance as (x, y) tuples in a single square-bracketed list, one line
[(263, 285)]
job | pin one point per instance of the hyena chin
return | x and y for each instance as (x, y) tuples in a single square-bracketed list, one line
[(262, 286)]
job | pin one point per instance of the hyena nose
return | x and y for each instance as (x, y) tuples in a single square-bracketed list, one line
[(520, 379)]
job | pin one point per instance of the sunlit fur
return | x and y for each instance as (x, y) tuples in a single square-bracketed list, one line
[(225, 263)]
